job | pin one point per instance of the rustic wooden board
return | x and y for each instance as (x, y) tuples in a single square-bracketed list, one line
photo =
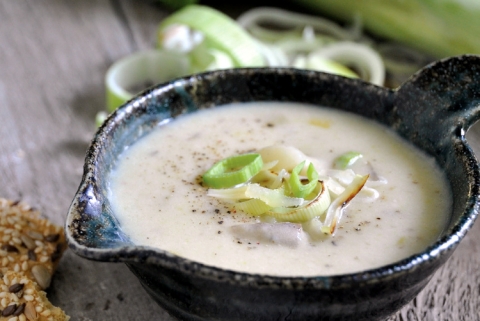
[(53, 57)]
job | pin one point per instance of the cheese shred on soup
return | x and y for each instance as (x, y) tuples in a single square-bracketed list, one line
[(160, 200)]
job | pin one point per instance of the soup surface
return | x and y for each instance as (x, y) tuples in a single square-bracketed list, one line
[(157, 195)]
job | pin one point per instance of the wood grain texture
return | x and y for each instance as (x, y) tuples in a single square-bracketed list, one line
[(53, 57)]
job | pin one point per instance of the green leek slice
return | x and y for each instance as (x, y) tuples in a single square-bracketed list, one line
[(143, 67), (233, 170), (220, 32), (346, 160), (273, 197), (314, 208), (295, 184)]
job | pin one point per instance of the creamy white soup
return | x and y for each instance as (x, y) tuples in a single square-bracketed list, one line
[(157, 194)]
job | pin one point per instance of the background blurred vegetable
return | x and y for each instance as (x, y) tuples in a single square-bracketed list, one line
[(176, 4), (440, 28)]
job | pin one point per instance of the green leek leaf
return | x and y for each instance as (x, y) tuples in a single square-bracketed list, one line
[(441, 28)]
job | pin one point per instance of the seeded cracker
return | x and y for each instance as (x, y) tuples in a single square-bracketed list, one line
[(22, 299), (30, 249)]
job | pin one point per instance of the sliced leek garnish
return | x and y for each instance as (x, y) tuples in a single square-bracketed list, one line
[(233, 170), (293, 195), (314, 208), (273, 197), (346, 160), (297, 188)]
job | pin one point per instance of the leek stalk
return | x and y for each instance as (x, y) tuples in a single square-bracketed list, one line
[(441, 28)]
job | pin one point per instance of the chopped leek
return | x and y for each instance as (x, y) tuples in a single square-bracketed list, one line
[(282, 194), (133, 73), (288, 24), (286, 157), (233, 171), (271, 197), (346, 160), (191, 43), (335, 210), (314, 208), (252, 206), (365, 60), (312, 42), (297, 188), (220, 32), (198, 38)]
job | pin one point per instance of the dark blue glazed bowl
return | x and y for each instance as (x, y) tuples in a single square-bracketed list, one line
[(433, 110)]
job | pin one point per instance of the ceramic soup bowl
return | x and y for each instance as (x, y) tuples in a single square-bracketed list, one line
[(433, 110)]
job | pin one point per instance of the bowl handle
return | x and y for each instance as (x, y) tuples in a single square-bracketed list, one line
[(441, 100)]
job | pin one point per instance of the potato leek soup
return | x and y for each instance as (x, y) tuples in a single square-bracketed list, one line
[(281, 189)]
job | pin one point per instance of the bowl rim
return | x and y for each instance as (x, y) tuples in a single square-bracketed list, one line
[(131, 254)]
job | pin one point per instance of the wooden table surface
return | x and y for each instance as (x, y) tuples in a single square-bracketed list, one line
[(53, 58)]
